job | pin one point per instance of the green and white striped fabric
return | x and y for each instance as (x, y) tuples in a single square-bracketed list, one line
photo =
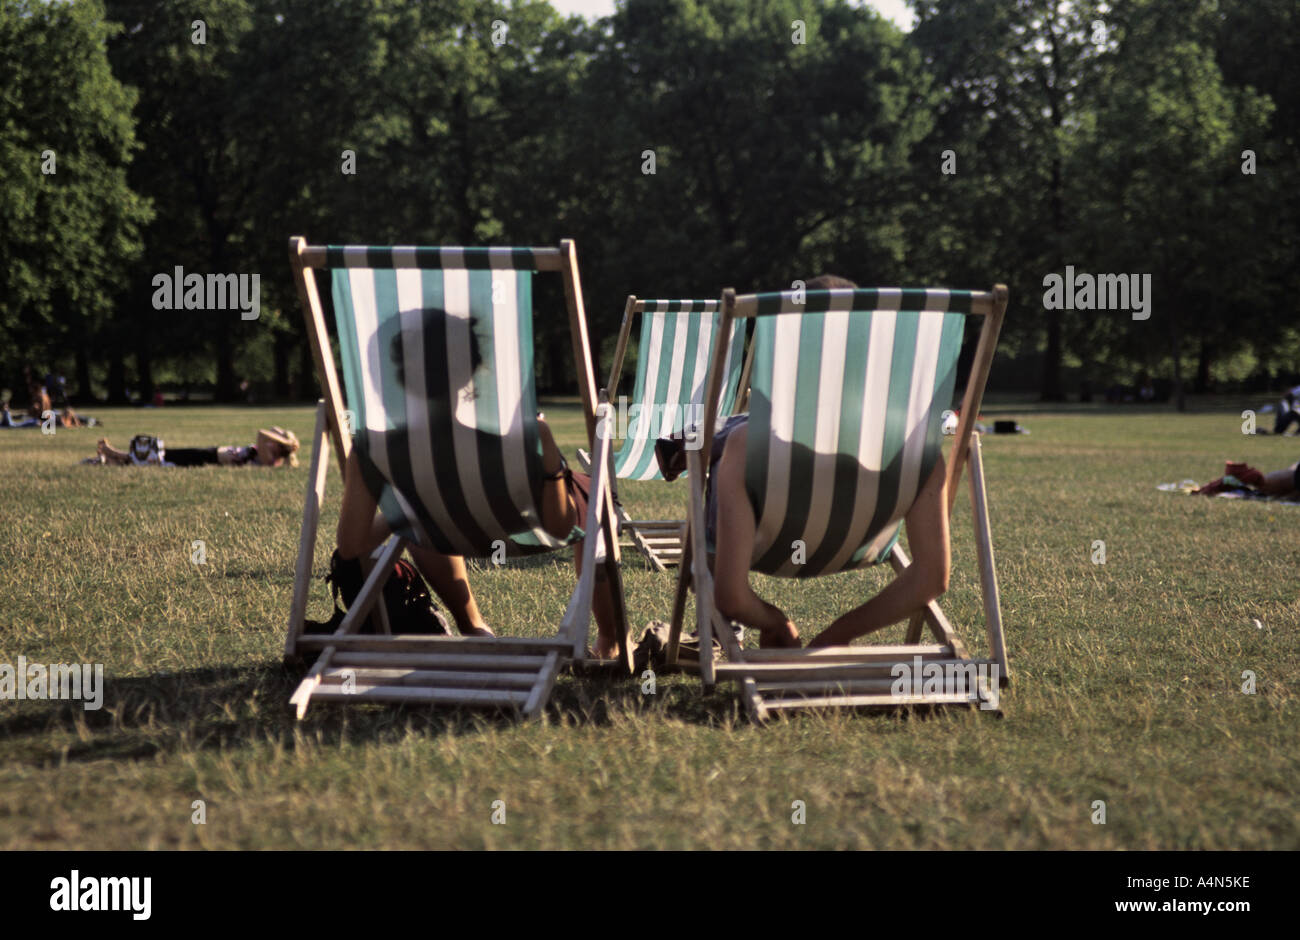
[(846, 406), (671, 374), (450, 451)]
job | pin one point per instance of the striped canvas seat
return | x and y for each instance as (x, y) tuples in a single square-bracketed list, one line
[(406, 336), (672, 365), (846, 412), (438, 403), (847, 397), (673, 361)]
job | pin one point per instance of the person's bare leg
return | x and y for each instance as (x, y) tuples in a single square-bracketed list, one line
[(602, 608), (1280, 482), (450, 581), (557, 507), (112, 454), (362, 527), (921, 582), (559, 516), (734, 598)]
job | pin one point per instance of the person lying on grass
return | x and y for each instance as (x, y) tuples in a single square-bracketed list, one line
[(275, 447), (563, 505), (731, 526), (1278, 483)]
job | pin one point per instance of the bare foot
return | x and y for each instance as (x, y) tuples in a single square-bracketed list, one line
[(779, 636), (480, 630)]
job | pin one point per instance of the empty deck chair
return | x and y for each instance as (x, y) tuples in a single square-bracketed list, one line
[(668, 396), (453, 451), (848, 394)]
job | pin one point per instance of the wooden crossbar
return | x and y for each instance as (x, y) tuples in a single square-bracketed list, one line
[(547, 259), (406, 693), (408, 643), (434, 677)]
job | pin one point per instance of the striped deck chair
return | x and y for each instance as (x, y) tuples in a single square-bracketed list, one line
[(847, 403), (453, 452), (671, 369)]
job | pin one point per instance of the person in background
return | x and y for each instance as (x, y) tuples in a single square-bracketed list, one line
[(275, 447), (1288, 411), (1278, 483)]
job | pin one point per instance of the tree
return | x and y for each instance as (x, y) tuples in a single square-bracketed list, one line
[(744, 143), (71, 219), (1013, 76), (1166, 195)]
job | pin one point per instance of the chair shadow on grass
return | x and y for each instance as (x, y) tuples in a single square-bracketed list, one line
[(240, 706)]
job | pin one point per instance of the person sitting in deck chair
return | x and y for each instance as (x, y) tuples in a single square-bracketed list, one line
[(563, 505), (731, 527)]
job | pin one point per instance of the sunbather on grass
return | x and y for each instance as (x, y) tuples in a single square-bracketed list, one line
[(274, 447), (921, 582), (1278, 483)]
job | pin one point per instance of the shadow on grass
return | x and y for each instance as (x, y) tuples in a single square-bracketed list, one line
[(237, 707)]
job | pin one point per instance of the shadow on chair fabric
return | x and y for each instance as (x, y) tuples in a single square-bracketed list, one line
[(849, 390), (676, 346), (438, 398)]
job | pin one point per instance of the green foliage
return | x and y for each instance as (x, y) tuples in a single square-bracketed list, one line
[(1104, 135), (1168, 195), (67, 136)]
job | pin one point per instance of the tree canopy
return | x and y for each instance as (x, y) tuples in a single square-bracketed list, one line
[(687, 145)]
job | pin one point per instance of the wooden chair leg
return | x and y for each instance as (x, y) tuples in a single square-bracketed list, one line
[(614, 584), (378, 616), (988, 573), (370, 592), (679, 601), (931, 615), (307, 536)]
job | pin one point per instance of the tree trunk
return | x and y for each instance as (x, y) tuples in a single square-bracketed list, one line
[(1206, 356), (283, 345), (85, 394), (559, 352), (308, 383), (116, 377), (144, 370), (1180, 393), (460, 130), (225, 365), (1050, 388)]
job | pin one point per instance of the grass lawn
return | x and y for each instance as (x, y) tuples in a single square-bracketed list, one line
[(1127, 675)]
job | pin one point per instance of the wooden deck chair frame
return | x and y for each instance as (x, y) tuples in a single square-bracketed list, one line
[(509, 672), (852, 676), (661, 541)]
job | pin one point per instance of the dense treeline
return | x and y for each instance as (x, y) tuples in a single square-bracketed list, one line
[(1000, 139)]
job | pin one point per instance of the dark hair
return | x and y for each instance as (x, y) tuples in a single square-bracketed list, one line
[(434, 318), (829, 282)]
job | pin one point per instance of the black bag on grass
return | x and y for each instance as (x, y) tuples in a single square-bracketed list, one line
[(406, 597)]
